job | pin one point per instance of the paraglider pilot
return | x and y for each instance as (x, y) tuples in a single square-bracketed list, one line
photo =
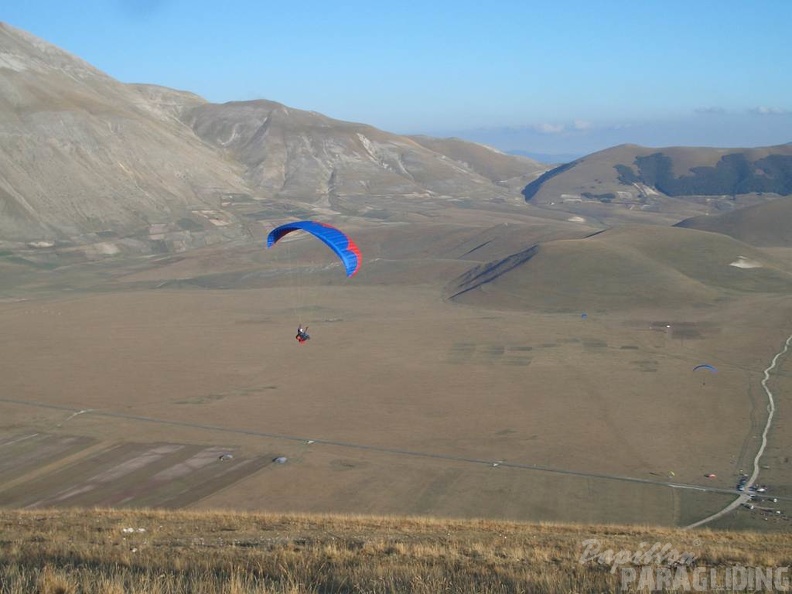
[(302, 334)]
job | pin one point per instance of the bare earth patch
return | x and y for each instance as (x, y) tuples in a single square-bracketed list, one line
[(743, 262)]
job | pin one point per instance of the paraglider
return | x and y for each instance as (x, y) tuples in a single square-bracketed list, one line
[(706, 366), (335, 239), (338, 241)]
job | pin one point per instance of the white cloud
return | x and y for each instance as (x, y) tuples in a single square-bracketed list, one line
[(731, 128), (550, 128), (764, 110), (710, 110), (575, 126)]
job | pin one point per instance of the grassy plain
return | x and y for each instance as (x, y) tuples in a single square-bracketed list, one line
[(401, 404)]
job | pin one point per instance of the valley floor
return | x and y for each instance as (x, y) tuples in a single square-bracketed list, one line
[(401, 403)]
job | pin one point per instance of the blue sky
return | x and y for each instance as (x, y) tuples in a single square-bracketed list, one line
[(556, 76)]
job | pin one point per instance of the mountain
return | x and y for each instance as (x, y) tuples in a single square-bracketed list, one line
[(552, 158), (96, 167), (86, 159), (345, 166), (673, 181), (89, 161), (497, 166)]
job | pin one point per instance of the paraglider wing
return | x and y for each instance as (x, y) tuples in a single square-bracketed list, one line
[(705, 366), (336, 240)]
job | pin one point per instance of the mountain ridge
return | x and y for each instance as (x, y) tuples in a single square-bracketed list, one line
[(680, 181), (101, 167), (141, 168)]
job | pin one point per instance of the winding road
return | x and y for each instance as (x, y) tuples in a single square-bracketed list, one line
[(745, 496)]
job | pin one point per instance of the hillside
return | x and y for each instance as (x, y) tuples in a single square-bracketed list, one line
[(217, 552), (763, 225), (629, 267), (670, 182), (86, 159), (485, 160), (306, 156)]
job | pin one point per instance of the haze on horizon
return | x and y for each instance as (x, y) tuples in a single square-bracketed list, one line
[(541, 77)]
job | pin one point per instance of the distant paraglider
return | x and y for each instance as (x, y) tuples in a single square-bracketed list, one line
[(705, 366)]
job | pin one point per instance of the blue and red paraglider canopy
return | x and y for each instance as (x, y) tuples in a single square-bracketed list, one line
[(335, 239), (706, 366)]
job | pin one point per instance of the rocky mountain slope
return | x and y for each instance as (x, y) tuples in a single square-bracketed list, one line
[(304, 155), (87, 159)]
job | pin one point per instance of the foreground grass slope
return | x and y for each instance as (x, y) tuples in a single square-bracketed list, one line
[(106, 551)]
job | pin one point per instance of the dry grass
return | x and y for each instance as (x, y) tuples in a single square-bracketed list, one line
[(157, 552)]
